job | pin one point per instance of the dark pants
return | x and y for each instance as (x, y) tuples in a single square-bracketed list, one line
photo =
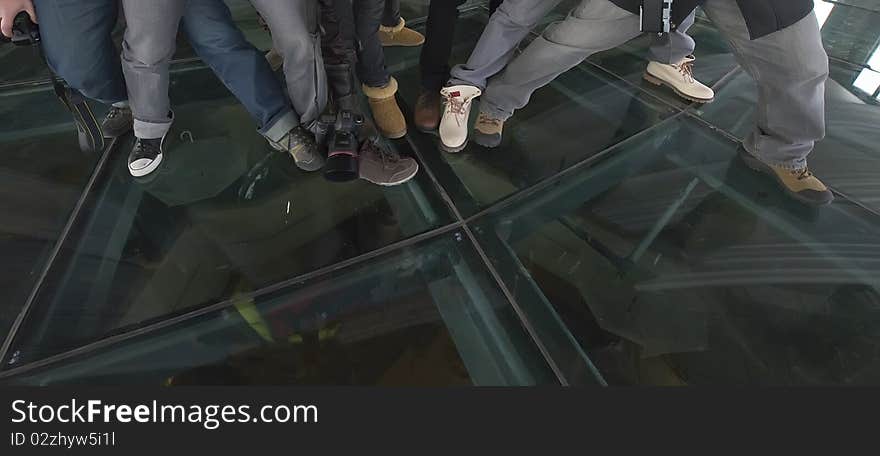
[(439, 35), (350, 37), (391, 16), (338, 38), (371, 57)]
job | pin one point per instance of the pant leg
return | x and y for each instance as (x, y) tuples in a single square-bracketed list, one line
[(790, 68), (150, 39), (242, 68), (594, 26), (338, 38), (439, 35), (295, 35), (673, 47), (371, 57), (510, 24), (78, 43), (391, 14)]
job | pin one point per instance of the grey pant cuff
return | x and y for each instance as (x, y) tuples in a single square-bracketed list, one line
[(150, 130), (280, 127), (494, 111), (793, 165)]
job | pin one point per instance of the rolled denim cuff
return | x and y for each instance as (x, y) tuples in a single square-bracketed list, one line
[(280, 127), (150, 130)]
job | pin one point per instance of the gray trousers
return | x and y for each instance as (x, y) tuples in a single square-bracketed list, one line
[(149, 45), (789, 66), (512, 22)]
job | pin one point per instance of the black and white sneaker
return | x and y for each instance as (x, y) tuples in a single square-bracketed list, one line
[(146, 156)]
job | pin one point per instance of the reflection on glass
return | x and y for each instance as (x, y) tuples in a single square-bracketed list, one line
[(42, 174), (223, 214), (633, 246), (672, 263), (423, 316)]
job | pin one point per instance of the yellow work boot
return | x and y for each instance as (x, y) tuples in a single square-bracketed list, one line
[(400, 35)]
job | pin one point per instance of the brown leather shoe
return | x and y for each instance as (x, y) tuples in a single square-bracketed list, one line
[(389, 119), (800, 184), (428, 111)]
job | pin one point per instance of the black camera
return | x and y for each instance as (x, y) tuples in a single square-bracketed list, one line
[(342, 148), (24, 31), (656, 16)]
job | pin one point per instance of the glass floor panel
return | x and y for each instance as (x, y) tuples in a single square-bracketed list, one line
[(673, 264), (426, 315), (43, 174), (224, 214), (613, 238)]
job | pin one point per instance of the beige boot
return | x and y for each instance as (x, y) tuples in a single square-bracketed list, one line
[(386, 113), (400, 35), (680, 78)]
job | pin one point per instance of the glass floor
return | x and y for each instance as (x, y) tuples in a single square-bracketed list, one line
[(614, 238)]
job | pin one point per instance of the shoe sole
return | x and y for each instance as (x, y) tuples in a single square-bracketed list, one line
[(659, 82), (453, 150), (394, 184), (489, 141), (307, 168), (402, 45), (397, 135), (759, 166), (148, 169)]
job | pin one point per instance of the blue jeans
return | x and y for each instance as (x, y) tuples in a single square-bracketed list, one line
[(78, 44)]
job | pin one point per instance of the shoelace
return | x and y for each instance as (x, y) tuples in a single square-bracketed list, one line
[(301, 138), (802, 174), (489, 120), (386, 154), (687, 70), (455, 106), (149, 147), (114, 112)]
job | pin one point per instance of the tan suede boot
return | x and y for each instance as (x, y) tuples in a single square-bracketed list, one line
[(386, 113), (800, 184), (400, 35)]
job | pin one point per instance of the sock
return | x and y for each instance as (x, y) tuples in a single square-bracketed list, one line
[(121, 104)]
